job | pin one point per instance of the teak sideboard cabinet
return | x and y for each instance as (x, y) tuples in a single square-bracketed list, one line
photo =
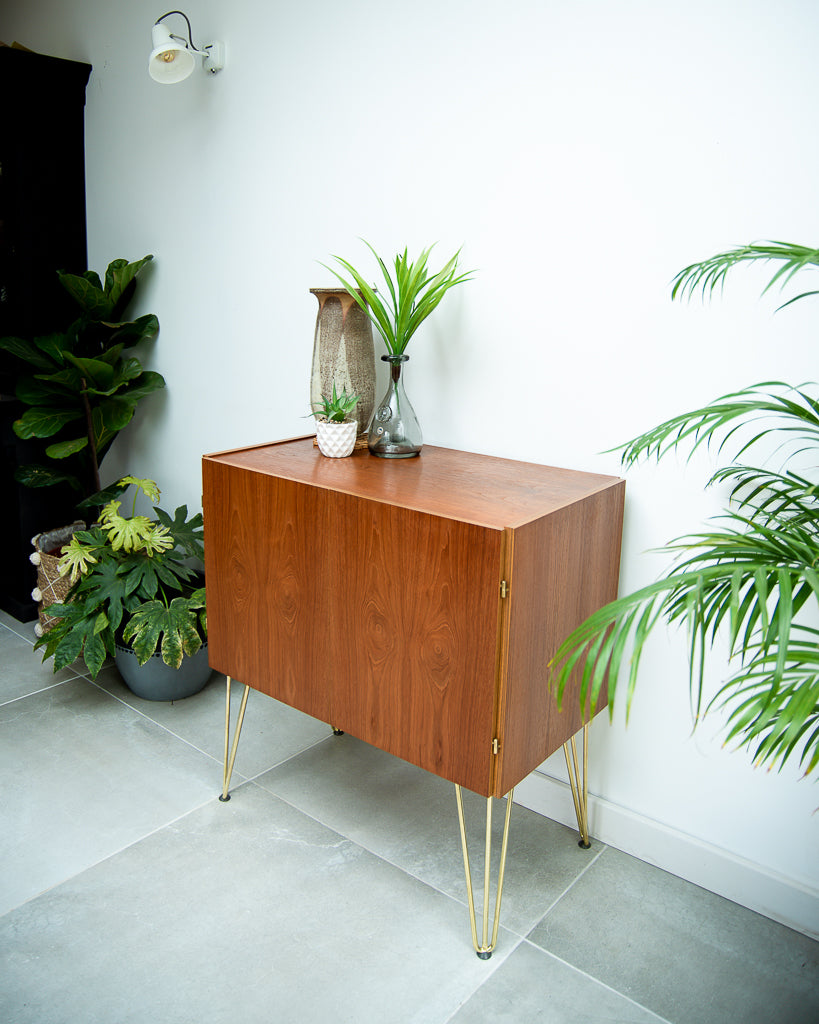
[(412, 603)]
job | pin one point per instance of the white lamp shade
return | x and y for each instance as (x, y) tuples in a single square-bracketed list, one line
[(170, 61)]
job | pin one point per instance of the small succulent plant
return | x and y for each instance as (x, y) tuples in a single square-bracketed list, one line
[(337, 408)]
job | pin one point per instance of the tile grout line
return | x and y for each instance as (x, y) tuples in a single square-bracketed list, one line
[(108, 856), (597, 981), (17, 633), (43, 689), (189, 743), (569, 887), (373, 853), (253, 780), (491, 973)]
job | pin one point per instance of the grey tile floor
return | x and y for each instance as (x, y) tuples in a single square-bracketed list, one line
[(329, 888)]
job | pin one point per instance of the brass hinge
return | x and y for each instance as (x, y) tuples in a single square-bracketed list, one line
[(504, 588), (495, 745)]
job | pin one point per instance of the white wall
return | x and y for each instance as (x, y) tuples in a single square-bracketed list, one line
[(581, 153)]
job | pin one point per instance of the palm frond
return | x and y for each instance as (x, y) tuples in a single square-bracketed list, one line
[(770, 497), (746, 578), (778, 407), (753, 576), (711, 273), (773, 709)]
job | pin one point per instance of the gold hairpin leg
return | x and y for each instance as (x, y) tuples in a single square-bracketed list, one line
[(484, 950), (580, 787), (229, 761)]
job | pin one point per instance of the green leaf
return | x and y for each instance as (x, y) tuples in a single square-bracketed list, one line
[(132, 333), (788, 412), (93, 278), (188, 533), (63, 449), (27, 352), (94, 303), (38, 390), (55, 346), (709, 274), (104, 588), (102, 497), (413, 294), (176, 624), (145, 384), (44, 422), (44, 476), (97, 373), (69, 649), (94, 653), (67, 381), (110, 416), (119, 276)]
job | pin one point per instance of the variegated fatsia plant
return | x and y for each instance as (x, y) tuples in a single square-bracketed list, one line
[(133, 584)]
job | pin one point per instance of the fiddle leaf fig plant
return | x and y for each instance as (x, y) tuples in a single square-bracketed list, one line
[(753, 576), (132, 584), (82, 386), (411, 293)]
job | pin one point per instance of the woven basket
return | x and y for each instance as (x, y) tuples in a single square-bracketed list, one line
[(51, 588)]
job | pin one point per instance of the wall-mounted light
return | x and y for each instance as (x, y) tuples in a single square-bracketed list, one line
[(174, 58)]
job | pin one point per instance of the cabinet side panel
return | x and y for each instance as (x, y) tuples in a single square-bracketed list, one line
[(563, 567), (263, 571), (413, 643)]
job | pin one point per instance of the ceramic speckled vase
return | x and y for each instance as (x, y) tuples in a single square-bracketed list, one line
[(343, 352)]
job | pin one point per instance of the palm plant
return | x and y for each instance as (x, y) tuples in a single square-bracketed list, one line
[(753, 577), (409, 298)]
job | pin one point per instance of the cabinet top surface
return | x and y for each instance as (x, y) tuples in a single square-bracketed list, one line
[(480, 489)]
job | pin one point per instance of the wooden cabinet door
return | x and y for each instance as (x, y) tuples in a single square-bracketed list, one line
[(267, 595), (411, 642), (380, 620)]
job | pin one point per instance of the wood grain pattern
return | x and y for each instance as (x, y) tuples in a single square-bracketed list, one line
[(413, 637), (563, 567), (366, 592), (265, 598), (479, 489)]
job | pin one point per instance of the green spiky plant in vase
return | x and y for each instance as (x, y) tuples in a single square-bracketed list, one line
[(134, 596), (411, 293), (752, 577), (335, 431)]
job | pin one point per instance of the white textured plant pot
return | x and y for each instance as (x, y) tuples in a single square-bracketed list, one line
[(336, 440)]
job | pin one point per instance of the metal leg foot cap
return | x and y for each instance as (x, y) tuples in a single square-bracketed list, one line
[(224, 799), (484, 954), (338, 732), (583, 844)]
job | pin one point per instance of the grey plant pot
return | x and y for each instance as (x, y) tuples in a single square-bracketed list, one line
[(157, 681)]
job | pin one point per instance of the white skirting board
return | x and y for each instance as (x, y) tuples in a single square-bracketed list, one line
[(719, 871)]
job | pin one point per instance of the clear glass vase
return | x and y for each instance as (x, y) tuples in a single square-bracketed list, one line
[(394, 430)]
